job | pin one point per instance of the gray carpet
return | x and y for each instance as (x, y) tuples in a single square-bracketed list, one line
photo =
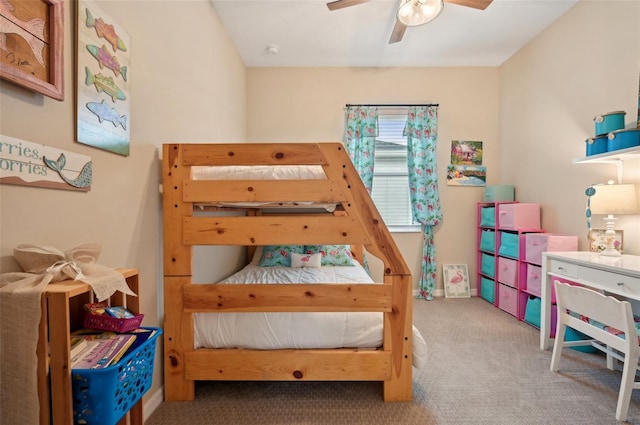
[(484, 367)]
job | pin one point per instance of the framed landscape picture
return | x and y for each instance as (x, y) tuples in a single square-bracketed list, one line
[(456, 281)]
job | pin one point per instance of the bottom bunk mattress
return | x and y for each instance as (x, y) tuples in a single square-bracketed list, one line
[(268, 331)]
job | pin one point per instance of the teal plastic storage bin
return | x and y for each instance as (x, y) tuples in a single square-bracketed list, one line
[(488, 266), (488, 216), (104, 396), (488, 290), (509, 244), (497, 193), (532, 311), (571, 334), (488, 241)]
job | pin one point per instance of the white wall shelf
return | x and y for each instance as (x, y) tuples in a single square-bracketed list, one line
[(615, 157)]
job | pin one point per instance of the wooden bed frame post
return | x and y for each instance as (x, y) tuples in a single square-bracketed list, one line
[(178, 325), (356, 222), (398, 327)]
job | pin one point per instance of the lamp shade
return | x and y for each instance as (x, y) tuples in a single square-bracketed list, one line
[(614, 199), (418, 12)]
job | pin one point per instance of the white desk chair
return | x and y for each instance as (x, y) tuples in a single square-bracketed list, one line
[(611, 313)]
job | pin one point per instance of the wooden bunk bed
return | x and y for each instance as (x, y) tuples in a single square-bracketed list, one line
[(355, 221)]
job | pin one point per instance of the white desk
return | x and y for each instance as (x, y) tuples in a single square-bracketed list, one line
[(615, 275)]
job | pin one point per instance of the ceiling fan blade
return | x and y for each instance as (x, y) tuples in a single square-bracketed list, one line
[(340, 4), (476, 4), (398, 32)]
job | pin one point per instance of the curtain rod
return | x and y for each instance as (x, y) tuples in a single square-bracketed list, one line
[(393, 105)]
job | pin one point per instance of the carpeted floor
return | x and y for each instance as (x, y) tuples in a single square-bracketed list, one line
[(484, 367)]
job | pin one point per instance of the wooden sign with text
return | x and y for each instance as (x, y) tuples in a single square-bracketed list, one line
[(30, 164)]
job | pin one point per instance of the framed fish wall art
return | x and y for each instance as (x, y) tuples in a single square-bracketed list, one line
[(31, 45), (104, 102), (30, 164)]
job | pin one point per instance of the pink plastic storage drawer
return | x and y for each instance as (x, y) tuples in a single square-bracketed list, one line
[(508, 271), (534, 280), (508, 299), (519, 216), (537, 243)]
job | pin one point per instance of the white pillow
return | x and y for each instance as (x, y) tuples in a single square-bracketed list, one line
[(306, 260)]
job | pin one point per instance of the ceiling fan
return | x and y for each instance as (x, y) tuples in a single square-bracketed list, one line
[(412, 13)]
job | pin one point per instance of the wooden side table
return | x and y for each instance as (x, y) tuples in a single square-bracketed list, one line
[(61, 313)]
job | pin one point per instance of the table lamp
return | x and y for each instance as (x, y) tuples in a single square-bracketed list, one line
[(613, 199)]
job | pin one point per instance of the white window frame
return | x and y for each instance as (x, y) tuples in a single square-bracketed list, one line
[(391, 122)]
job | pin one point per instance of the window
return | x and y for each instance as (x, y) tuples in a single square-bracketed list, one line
[(390, 189)]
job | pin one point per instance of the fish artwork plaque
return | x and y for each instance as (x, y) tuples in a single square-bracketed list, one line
[(30, 164), (104, 105)]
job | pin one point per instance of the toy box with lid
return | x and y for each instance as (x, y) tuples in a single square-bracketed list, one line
[(596, 145), (519, 216), (611, 121), (537, 243), (496, 193), (623, 139)]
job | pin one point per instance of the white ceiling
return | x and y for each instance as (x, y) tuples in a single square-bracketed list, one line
[(307, 34)]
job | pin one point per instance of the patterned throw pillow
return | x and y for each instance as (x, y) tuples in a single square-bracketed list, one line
[(279, 255), (332, 255), (305, 260)]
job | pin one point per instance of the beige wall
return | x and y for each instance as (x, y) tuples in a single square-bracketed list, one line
[(188, 85), (586, 63), (307, 105)]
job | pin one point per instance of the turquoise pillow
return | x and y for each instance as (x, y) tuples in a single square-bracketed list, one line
[(332, 255), (279, 255)]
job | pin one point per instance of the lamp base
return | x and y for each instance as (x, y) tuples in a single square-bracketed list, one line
[(610, 252), (610, 238)]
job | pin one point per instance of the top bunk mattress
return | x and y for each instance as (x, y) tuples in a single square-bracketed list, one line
[(310, 330), (262, 172)]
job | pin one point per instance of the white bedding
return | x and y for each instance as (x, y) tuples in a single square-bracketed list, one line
[(258, 172), (297, 330), (262, 172)]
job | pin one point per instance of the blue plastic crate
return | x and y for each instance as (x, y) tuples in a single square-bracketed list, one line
[(104, 396)]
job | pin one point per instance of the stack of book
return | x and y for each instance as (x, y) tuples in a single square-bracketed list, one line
[(94, 349)]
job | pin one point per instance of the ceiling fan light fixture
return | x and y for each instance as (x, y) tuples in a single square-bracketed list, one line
[(413, 13)]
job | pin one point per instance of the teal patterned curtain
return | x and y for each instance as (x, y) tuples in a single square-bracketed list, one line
[(361, 130), (422, 133)]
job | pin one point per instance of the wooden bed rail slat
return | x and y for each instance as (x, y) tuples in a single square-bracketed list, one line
[(272, 230), (287, 297), (253, 154), (288, 365), (320, 191)]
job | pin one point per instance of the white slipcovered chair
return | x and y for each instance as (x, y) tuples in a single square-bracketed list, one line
[(610, 324)]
